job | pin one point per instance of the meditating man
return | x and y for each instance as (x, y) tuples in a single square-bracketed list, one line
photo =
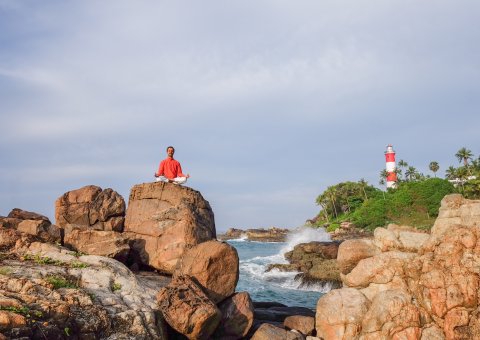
[(170, 169)]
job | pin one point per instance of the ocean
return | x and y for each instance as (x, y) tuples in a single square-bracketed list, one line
[(275, 285)]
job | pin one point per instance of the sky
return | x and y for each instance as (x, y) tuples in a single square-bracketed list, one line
[(266, 102)]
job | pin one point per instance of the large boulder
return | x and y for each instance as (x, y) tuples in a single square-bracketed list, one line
[(392, 314), (340, 313), (163, 220), (350, 252), (90, 207), (270, 332), (187, 309), (32, 223), (456, 210), (237, 317), (214, 265), (404, 238), (379, 269), (99, 242), (301, 323)]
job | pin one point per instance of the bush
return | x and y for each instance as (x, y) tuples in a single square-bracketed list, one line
[(412, 203)]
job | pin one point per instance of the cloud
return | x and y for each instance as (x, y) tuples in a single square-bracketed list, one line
[(267, 102)]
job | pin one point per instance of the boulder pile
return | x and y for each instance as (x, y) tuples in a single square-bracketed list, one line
[(408, 284), (49, 291)]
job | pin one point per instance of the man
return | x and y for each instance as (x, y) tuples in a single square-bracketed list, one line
[(170, 169)]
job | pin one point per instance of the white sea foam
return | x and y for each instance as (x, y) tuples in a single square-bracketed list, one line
[(304, 235), (242, 238), (255, 267)]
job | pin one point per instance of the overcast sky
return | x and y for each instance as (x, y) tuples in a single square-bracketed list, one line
[(266, 102)]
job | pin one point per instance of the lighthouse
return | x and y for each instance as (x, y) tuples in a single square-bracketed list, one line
[(390, 166)]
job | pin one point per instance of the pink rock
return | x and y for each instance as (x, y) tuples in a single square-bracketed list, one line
[(214, 265), (164, 220), (187, 309), (237, 317)]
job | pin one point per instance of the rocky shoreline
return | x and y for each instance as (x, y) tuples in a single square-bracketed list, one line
[(272, 234), (80, 278)]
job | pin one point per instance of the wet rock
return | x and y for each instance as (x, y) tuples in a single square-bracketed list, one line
[(278, 314)]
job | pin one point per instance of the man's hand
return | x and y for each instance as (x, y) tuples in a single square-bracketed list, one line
[(156, 175), (187, 176)]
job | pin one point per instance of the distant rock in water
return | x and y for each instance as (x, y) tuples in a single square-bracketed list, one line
[(272, 234), (163, 220), (315, 260)]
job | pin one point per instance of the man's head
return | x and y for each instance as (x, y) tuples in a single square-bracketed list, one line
[(170, 151)]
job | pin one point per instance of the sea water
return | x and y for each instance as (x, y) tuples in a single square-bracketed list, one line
[(276, 285)]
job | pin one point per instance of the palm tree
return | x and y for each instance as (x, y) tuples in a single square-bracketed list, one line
[(451, 172), (363, 183), (434, 167), (411, 173), (383, 174), (402, 164), (464, 155)]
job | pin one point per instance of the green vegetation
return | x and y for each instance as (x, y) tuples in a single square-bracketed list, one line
[(412, 202), (5, 270), (25, 311), (60, 282), (415, 201), (116, 286), (79, 265), (45, 260)]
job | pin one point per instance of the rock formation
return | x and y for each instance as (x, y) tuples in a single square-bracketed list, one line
[(163, 220), (237, 317), (49, 292), (187, 309), (89, 208), (33, 224), (272, 234), (406, 284), (92, 220), (315, 260), (214, 265)]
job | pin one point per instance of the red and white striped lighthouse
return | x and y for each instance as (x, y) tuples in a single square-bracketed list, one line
[(390, 166)]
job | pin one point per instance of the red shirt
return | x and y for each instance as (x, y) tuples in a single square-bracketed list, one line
[(170, 168)]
